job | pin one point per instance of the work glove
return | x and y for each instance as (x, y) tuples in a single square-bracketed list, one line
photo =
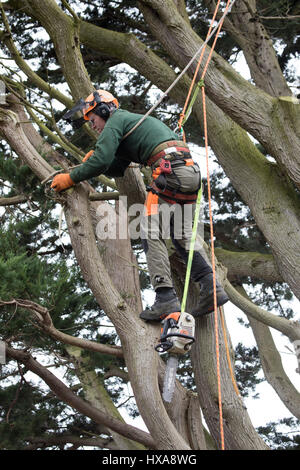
[(87, 155), (62, 181)]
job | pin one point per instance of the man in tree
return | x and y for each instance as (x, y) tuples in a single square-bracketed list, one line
[(124, 138)]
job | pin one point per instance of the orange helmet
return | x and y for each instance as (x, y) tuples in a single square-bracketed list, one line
[(102, 98), (101, 101)]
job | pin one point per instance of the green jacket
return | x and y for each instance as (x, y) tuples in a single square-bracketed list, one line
[(112, 155)]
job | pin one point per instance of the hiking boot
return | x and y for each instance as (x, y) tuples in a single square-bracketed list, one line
[(166, 302), (205, 303)]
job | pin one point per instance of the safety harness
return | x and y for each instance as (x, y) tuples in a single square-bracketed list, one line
[(166, 157)]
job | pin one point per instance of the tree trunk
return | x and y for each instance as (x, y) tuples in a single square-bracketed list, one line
[(239, 432)]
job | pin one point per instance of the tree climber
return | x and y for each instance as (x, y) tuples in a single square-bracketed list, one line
[(176, 181)]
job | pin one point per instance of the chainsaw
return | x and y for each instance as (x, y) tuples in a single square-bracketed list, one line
[(177, 337)]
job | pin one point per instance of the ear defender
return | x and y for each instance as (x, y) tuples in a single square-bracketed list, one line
[(103, 111)]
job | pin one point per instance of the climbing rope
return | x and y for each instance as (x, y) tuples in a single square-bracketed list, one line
[(181, 121)]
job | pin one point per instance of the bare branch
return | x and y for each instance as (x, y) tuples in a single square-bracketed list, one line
[(62, 440), (66, 395), (247, 263), (70, 10), (11, 201), (44, 320), (105, 196), (115, 371)]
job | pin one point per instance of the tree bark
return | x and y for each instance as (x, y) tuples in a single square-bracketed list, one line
[(239, 432), (256, 265), (289, 328), (11, 201)]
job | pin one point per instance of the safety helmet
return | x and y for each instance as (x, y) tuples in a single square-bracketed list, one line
[(101, 101)]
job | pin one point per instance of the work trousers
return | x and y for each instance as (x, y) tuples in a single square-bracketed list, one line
[(175, 222)]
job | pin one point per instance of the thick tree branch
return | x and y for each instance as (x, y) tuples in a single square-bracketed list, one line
[(104, 196), (6, 38), (42, 147), (138, 346), (246, 29), (288, 17), (242, 263), (115, 371), (65, 35), (13, 133)]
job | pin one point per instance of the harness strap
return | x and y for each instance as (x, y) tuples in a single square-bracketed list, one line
[(172, 197)]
